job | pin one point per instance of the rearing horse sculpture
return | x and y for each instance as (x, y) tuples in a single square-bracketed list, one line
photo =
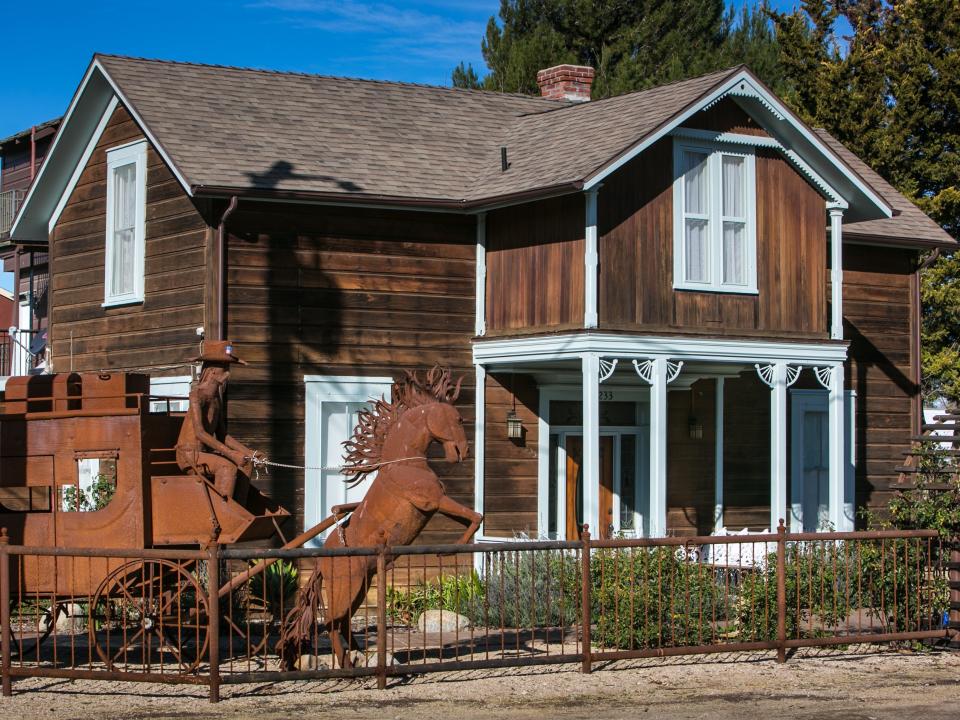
[(390, 439)]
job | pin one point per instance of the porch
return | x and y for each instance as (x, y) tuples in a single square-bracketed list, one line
[(652, 436)]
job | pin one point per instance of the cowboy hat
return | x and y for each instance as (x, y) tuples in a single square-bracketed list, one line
[(217, 351)]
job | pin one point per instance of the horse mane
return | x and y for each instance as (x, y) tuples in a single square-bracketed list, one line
[(364, 449)]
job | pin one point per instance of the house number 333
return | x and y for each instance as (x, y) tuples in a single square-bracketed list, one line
[(606, 395)]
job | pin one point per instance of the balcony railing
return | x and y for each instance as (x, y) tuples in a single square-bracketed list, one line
[(15, 355), (10, 202)]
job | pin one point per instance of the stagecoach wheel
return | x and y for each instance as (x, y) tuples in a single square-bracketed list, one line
[(29, 628), (154, 615)]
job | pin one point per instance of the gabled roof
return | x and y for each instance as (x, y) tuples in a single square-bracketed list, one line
[(225, 130), (908, 221)]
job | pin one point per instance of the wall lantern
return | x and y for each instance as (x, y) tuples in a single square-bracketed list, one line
[(694, 426), (514, 426)]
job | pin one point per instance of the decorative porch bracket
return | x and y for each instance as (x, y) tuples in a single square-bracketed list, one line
[(658, 372), (606, 368)]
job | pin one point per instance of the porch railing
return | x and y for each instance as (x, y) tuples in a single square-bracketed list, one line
[(165, 615), (10, 201), (15, 355)]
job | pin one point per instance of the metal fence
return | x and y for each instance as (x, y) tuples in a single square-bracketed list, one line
[(15, 355), (10, 201), (203, 617)]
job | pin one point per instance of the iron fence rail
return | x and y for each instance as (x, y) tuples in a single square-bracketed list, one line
[(165, 615), (10, 201)]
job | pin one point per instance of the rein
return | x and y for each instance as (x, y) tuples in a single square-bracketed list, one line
[(261, 462)]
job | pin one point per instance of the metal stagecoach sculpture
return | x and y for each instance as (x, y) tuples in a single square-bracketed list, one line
[(180, 479), (391, 439)]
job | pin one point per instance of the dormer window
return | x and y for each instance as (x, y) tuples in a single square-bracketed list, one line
[(714, 198), (126, 219)]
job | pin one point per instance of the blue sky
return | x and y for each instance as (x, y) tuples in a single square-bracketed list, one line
[(417, 41)]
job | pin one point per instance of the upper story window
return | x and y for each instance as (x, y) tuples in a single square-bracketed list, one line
[(126, 219), (714, 198)]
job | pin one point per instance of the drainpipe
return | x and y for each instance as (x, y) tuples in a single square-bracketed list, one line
[(15, 320), (222, 269), (33, 152)]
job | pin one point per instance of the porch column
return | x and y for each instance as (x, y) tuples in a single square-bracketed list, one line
[(776, 378), (659, 372), (479, 439), (590, 363), (836, 429), (591, 260), (718, 459), (836, 273)]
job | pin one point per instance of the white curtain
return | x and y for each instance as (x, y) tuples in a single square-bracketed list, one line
[(734, 221), (696, 210), (124, 224)]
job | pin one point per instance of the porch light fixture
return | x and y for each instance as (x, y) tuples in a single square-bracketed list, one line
[(514, 426), (694, 427)]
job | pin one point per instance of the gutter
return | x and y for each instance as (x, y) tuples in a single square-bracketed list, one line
[(213, 191), (222, 269)]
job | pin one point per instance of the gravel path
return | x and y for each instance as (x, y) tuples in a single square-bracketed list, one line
[(870, 685)]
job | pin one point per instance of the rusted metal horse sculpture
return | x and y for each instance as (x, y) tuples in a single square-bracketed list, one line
[(390, 439)]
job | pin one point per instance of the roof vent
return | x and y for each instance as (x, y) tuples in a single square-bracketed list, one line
[(566, 82)]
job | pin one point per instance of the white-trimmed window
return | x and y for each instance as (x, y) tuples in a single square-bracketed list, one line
[(126, 220), (332, 405), (714, 197), (170, 394)]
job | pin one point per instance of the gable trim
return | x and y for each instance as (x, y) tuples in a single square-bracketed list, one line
[(742, 83), (82, 164)]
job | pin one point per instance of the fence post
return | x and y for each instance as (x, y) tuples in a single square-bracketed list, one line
[(213, 625), (781, 593), (382, 612), (585, 599), (5, 609)]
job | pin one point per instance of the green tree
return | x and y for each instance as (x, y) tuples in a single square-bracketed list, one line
[(632, 44), (891, 93)]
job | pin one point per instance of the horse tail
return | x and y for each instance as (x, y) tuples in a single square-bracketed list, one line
[(299, 623)]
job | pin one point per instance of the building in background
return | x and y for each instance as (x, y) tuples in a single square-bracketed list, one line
[(21, 156)]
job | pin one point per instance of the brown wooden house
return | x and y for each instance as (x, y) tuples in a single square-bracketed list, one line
[(678, 310)]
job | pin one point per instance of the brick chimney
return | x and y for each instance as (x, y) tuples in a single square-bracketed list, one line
[(566, 82)]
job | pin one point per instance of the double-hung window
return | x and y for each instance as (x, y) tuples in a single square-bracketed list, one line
[(126, 219), (714, 195)]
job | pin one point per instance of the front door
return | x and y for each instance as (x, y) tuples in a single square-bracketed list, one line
[(574, 488)]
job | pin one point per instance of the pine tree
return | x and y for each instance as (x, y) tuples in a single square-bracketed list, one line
[(631, 44), (892, 95)]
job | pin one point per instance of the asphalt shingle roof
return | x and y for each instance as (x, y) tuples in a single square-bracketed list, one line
[(258, 130)]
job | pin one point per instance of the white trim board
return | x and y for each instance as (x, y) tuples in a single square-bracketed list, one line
[(571, 347)]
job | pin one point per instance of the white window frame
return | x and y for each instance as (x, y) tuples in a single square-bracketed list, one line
[(172, 391), (135, 153), (322, 389), (715, 152)]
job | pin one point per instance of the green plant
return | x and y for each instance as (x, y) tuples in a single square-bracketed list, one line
[(456, 593), (533, 588), (273, 590), (654, 597), (922, 507), (95, 497)]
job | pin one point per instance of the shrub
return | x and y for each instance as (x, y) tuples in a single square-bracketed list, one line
[(533, 588), (456, 593), (654, 597), (274, 589)]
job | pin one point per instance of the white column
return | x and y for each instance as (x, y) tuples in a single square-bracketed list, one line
[(479, 443), (718, 460), (836, 429), (658, 448), (591, 260), (778, 443), (481, 291), (591, 442), (836, 273)]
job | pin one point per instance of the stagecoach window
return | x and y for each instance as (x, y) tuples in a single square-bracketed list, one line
[(25, 499), (94, 486)]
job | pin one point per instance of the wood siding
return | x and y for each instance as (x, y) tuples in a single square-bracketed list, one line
[(535, 266), (15, 170), (333, 291), (636, 257), (879, 312), (162, 329)]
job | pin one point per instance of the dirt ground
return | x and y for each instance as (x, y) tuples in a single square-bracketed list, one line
[(861, 684)]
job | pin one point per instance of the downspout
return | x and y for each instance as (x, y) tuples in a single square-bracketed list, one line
[(222, 269)]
